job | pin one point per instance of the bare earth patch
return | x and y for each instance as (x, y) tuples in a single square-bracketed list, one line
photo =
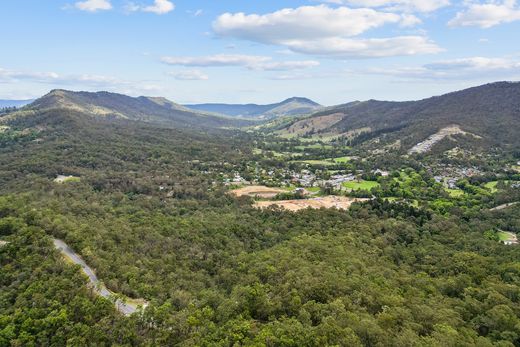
[(258, 191), (63, 179), (339, 202), (427, 144)]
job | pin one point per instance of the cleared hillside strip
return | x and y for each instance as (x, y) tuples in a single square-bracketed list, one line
[(427, 144)]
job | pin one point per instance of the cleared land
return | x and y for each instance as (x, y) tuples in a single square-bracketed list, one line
[(63, 179), (501, 207), (427, 144), (258, 191), (492, 186), (342, 159), (364, 185), (325, 162), (339, 202), (455, 193), (508, 238)]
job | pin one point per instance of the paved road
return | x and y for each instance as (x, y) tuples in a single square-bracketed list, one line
[(98, 287)]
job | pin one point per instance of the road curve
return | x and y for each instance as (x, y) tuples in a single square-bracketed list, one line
[(98, 287)]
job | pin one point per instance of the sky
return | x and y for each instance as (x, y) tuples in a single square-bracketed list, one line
[(240, 51)]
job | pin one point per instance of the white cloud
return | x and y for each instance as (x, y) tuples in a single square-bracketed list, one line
[(409, 20), (310, 22), (455, 69), (160, 7), (323, 30), (131, 7), (366, 48), (488, 14), (286, 65), (81, 81), (196, 13), (216, 60), (475, 64), (396, 5), (251, 62), (93, 5), (190, 75)]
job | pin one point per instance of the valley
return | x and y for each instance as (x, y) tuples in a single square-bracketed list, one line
[(330, 173), (309, 229)]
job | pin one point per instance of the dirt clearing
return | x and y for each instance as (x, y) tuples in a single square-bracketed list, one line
[(339, 202), (258, 191)]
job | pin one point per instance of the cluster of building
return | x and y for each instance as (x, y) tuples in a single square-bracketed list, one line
[(449, 175)]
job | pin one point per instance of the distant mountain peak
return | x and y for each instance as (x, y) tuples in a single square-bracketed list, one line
[(300, 99), (293, 106)]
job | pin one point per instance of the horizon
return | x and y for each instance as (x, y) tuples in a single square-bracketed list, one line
[(234, 52), (267, 103)]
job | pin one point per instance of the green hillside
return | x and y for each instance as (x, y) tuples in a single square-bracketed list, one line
[(490, 112)]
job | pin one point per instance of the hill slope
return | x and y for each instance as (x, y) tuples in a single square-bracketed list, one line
[(491, 111), (118, 106), (291, 106)]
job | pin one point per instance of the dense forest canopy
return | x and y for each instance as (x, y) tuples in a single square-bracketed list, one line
[(149, 210)]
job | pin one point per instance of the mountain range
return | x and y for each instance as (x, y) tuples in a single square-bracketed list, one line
[(490, 112), (118, 106), (289, 107)]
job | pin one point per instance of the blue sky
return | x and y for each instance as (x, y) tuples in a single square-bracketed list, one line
[(235, 51)]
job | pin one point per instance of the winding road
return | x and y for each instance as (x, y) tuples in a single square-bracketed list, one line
[(98, 287)]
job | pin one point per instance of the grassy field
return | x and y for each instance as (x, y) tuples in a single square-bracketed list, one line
[(325, 162), (365, 185), (455, 193), (341, 160), (313, 146), (412, 202), (316, 162), (492, 186), (506, 236), (275, 154)]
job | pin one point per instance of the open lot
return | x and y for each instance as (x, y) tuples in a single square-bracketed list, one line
[(339, 202), (258, 191), (364, 185), (455, 193), (508, 238)]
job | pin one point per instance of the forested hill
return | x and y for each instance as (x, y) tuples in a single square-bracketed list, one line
[(288, 107), (119, 106), (491, 111)]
